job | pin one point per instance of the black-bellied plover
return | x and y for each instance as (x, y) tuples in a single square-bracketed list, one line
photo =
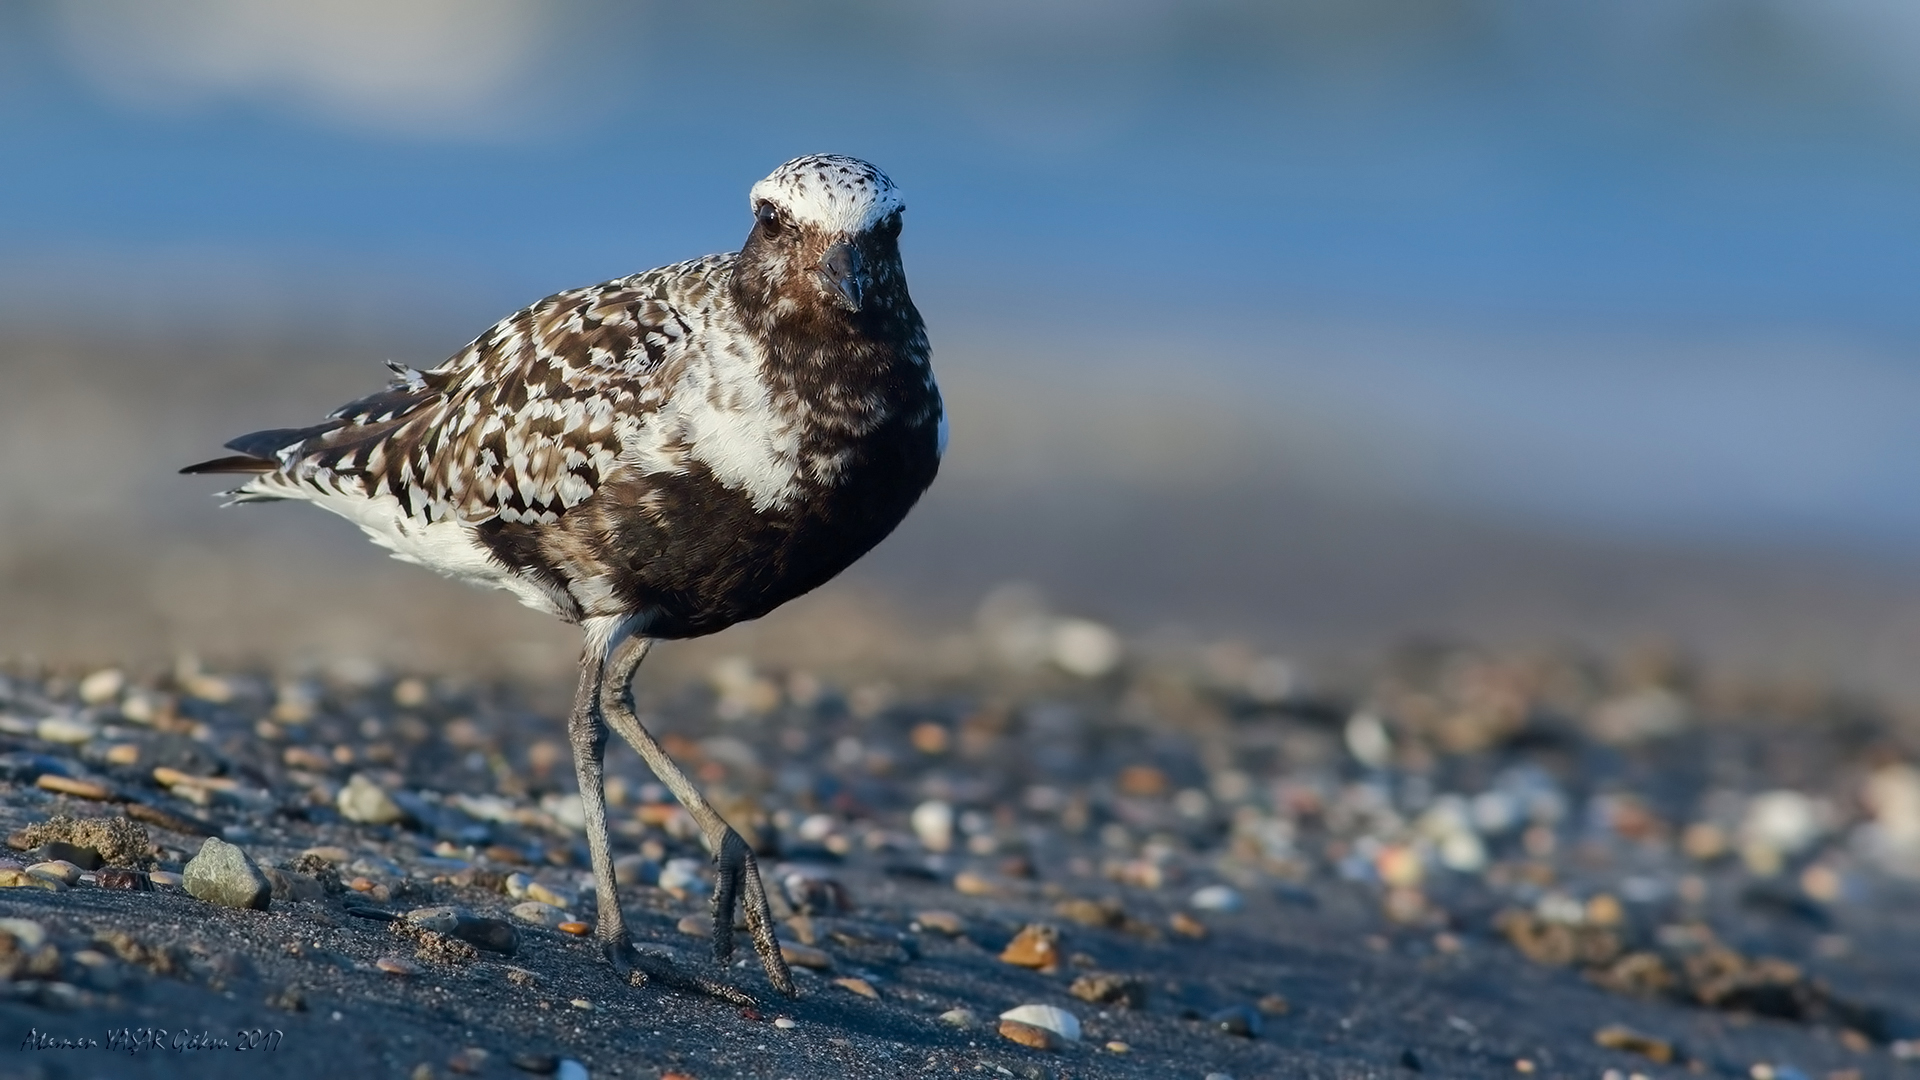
[(659, 456)]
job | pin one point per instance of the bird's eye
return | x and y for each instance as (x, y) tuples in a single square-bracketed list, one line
[(770, 217)]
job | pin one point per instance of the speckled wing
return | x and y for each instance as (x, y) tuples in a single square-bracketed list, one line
[(523, 424)]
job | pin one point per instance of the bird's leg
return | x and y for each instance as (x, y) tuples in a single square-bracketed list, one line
[(587, 731), (736, 872)]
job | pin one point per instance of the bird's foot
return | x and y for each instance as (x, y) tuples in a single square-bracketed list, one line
[(636, 968), (737, 880)]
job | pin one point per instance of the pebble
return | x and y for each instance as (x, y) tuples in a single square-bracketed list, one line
[(858, 986), (539, 914), (636, 870), (1187, 926), (932, 822), (368, 803), (288, 885), (1115, 1046), (570, 1070), (20, 879), (1215, 898), (1107, 988), (582, 1004), (960, 1018), (1028, 1035), (1236, 1020), (59, 729), (222, 874), (783, 1023), (397, 965), (79, 789), (941, 922), (30, 934), (328, 853), (102, 686), (1621, 1037), (493, 935), (576, 928), (1036, 946), (1219, 1076), (805, 956), (547, 895), (968, 883), (441, 919), (1047, 1017), (683, 878), (695, 925), (59, 870), (167, 878)]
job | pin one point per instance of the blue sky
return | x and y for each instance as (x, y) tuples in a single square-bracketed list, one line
[(1647, 266)]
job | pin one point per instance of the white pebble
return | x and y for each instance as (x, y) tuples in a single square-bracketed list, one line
[(783, 1023), (1215, 898), (1368, 741), (539, 914), (932, 822), (1085, 648), (1052, 1017)]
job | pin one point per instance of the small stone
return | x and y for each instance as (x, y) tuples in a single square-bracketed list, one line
[(1215, 898), (62, 871), (1236, 1020), (576, 928), (1048, 1018), (329, 854), (397, 965), (167, 878), (1028, 1035), (1274, 1005), (516, 884), (1036, 946), (366, 802), (20, 879), (222, 874), (547, 895), (858, 986), (85, 858), (805, 956), (1187, 926), (932, 822), (79, 789), (1101, 914), (287, 885), (1115, 1046), (440, 919), (1621, 1037), (1107, 988), (493, 935), (694, 925), (682, 878), (102, 686), (539, 914), (29, 934), (468, 1061), (123, 754), (59, 729), (941, 922), (570, 1070), (636, 870), (1219, 1076), (582, 1004), (968, 883)]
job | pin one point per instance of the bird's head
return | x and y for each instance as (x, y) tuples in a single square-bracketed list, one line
[(825, 239)]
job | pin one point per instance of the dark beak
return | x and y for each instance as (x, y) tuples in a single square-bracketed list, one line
[(840, 266)]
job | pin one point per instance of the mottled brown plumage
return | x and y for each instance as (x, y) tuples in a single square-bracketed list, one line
[(661, 455)]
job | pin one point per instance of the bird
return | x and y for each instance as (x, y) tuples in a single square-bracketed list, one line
[(656, 457)]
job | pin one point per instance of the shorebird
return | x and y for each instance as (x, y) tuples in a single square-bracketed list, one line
[(659, 456)]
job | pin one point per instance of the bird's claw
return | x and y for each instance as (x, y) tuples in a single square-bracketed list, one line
[(736, 873), (636, 968)]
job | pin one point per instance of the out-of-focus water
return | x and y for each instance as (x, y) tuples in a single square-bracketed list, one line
[(1332, 318)]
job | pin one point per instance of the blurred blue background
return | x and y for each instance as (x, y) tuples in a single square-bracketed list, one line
[(1315, 291)]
